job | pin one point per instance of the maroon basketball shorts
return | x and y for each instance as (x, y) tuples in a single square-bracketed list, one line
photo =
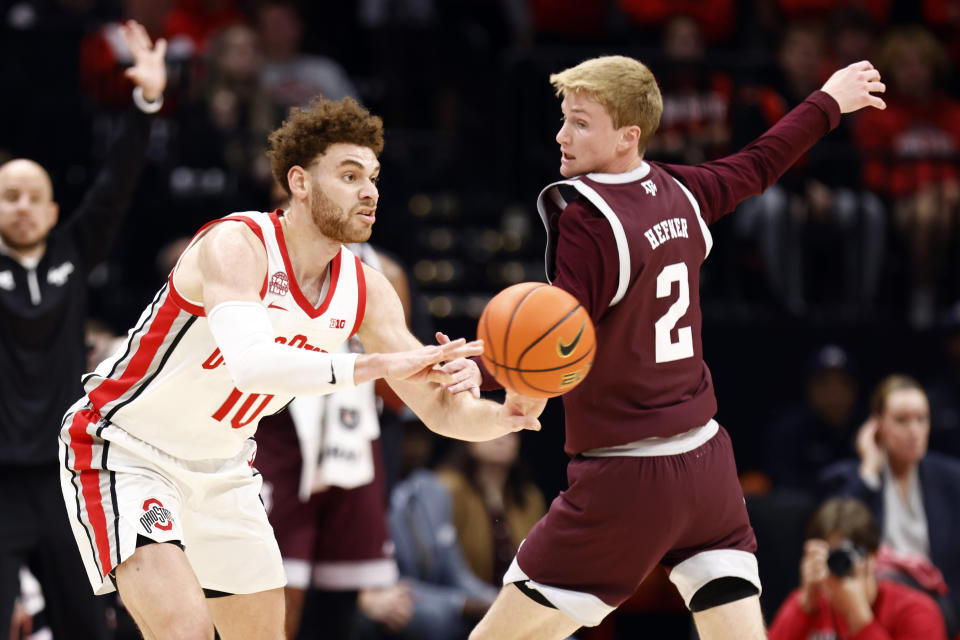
[(338, 539), (624, 514)]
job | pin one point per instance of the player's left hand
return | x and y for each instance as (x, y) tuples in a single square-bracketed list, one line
[(460, 374), (419, 365), (149, 71), (854, 86)]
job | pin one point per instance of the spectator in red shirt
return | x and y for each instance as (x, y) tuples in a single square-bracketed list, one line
[(839, 594), (911, 151)]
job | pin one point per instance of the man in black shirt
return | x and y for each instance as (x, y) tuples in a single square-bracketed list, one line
[(43, 273)]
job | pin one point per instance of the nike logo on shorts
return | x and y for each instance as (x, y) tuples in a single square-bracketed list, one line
[(333, 376), (276, 306)]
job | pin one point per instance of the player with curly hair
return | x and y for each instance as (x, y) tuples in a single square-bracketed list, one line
[(157, 457)]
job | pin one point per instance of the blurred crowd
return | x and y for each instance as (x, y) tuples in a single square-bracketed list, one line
[(843, 272)]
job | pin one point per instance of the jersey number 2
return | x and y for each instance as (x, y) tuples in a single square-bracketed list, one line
[(667, 350), (243, 416)]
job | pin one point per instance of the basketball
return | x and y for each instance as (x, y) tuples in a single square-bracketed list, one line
[(537, 339)]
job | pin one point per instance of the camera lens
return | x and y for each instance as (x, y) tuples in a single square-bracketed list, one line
[(840, 562)]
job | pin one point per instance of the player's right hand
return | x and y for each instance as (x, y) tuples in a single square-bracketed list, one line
[(854, 86)]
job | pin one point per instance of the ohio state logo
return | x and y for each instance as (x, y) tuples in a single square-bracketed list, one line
[(279, 285), (156, 515)]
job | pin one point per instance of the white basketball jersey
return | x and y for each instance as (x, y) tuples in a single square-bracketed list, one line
[(168, 385)]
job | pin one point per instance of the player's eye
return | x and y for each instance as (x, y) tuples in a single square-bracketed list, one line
[(349, 177)]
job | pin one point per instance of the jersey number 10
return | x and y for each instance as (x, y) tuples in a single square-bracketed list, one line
[(243, 415)]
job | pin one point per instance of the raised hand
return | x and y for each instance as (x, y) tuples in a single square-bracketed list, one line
[(149, 71), (871, 453), (854, 85)]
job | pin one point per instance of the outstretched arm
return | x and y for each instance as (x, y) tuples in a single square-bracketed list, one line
[(97, 220), (225, 269), (460, 416), (719, 186)]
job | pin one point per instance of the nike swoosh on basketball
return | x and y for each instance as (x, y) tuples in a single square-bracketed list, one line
[(333, 376), (566, 349), (276, 306)]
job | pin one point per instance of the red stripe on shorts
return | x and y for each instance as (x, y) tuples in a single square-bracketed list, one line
[(82, 444)]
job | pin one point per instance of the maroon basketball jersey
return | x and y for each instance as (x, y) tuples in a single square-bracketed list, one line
[(648, 377)]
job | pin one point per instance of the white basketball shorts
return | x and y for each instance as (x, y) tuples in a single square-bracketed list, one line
[(117, 487)]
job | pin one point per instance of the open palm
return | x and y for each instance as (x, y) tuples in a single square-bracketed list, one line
[(149, 71)]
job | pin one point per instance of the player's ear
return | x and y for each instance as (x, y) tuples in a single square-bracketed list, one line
[(629, 137), (298, 180)]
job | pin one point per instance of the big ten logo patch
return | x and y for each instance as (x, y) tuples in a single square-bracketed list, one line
[(338, 323), (279, 285), (155, 515)]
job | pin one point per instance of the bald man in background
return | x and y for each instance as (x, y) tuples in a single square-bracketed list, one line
[(43, 295)]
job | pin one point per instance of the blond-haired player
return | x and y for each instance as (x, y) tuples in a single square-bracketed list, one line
[(652, 478)]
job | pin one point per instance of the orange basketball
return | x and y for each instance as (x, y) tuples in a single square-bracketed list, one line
[(537, 339)]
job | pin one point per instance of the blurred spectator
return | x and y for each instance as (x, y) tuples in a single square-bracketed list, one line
[(851, 35), (290, 77), (840, 595), (223, 166), (201, 20), (716, 19), (494, 504), (817, 204), (795, 10), (568, 19), (810, 436), (912, 150), (943, 16), (695, 125), (448, 599), (912, 494)]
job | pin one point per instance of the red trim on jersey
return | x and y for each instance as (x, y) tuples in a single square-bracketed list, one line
[(138, 364), (82, 444), (196, 309), (309, 309), (361, 296)]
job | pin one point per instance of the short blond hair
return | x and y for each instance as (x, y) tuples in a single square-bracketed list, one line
[(625, 87)]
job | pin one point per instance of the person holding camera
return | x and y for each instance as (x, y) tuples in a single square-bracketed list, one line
[(912, 493), (840, 595)]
